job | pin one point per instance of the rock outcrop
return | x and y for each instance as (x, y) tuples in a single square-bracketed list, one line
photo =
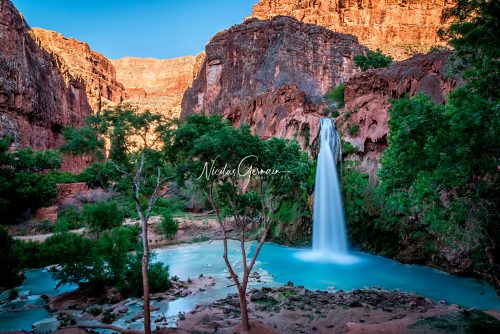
[(272, 75), (398, 27), (38, 93), (156, 84), (367, 97), (92, 68)]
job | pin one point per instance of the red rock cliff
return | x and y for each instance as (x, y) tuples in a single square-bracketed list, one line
[(96, 71), (398, 27), (156, 84), (269, 74), (38, 93), (367, 97)]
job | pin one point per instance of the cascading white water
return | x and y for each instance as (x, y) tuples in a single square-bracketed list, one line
[(329, 234)]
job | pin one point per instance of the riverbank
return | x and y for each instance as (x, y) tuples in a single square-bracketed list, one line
[(290, 309)]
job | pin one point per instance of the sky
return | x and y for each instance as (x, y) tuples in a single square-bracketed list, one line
[(137, 28)]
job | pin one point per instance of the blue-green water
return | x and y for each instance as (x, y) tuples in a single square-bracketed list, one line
[(29, 306), (276, 266)]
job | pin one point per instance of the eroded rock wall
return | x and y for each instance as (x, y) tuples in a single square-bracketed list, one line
[(38, 93), (397, 27), (92, 68), (272, 75), (367, 102)]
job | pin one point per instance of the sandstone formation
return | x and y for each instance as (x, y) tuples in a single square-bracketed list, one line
[(367, 97), (272, 75), (398, 27), (90, 67), (38, 93), (156, 84)]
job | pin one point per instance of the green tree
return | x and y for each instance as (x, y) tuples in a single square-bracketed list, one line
[(24, 183), (168, 225), (102, 216), (372, 59), (135, 151), (243, 177), (10, 275)]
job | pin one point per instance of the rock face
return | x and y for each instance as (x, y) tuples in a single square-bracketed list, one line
[(271, 74), (367, 97), (156, 84), (92, 68), (397, 27), (38, 93)]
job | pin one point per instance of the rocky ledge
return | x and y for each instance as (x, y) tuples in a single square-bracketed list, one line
[(291, 309)]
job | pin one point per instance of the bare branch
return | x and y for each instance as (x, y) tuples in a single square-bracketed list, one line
[(210, 197)]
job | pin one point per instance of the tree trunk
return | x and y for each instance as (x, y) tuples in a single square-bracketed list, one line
[(245, 324), (145, 276)]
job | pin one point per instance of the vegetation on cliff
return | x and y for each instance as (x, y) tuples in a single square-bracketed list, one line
[(437, 200), (372, 59)]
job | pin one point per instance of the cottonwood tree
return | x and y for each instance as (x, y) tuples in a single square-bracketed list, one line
[(244, 178), (134, 144)]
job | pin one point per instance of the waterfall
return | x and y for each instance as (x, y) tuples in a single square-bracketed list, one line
[(329, 233)]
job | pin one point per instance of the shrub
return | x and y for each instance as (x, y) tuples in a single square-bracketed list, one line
[(108, 317), (348, 148), (94, 310), (353, 129), (337, 95), (24, 183), (158, 276), (168, 225), (64, 177), (9, 263), (70, 218), (102, 216), (372, 59)]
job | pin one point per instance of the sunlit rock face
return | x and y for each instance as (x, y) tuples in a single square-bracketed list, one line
[(397, 27), (92, 68), (39, 95), (156, 85), (272, 75), (367, 102)]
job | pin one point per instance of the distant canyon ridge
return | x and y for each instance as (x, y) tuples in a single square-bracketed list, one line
[(270, 71)]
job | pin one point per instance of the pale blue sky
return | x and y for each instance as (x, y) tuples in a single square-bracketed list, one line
[(135, 28)]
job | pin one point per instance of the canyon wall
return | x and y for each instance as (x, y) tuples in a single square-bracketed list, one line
[(367, 96), (272, 75), (156, 85), (38, 93), (92, 68), (397, 27)]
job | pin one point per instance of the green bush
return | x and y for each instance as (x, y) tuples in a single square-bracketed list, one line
[(337, 95), (168, 225), (69, 218), (372, 59), (9, 260), (102, 216), (159, 280), (348, 148), (25, 184), (353, 129)]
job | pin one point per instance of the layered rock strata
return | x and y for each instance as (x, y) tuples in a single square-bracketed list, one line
[(397, 27), (272, 75)]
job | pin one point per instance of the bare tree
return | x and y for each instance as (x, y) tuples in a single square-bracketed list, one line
[(266, 218)]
